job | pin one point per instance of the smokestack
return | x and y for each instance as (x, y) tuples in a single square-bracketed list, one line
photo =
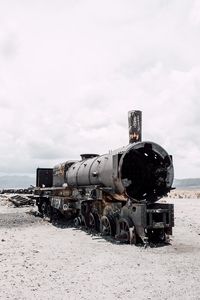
[(135, 126)]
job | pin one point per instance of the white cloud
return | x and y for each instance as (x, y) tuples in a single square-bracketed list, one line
[(71, 70)]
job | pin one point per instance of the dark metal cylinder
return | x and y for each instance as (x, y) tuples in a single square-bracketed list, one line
[(135, 126), (141, 170)]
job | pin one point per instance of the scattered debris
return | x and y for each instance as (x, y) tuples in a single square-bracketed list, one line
[(18, 191), (21, 200)]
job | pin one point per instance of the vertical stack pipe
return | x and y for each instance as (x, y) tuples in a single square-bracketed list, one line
[(135, 126)]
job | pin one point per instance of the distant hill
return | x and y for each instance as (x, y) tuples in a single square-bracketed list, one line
[(16, 182), (187, 183)]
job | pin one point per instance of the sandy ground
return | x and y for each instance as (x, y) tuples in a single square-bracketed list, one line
[(182, 193), (42, 261)]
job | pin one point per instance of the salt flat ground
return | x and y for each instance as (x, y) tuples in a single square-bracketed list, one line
[(41, 261)]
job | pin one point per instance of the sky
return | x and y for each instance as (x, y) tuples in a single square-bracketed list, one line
[(70, 70)]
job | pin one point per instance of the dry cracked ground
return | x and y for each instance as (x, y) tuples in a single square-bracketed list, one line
[(42, 261)]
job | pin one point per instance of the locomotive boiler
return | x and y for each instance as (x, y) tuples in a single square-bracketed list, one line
[(115, 193)]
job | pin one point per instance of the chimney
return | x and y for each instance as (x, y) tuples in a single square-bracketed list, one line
[(135, 126)]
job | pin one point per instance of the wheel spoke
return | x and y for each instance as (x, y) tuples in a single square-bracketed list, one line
[(105, 226), (126, 231)]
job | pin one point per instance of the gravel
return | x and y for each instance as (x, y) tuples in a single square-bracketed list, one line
[(42, 261)]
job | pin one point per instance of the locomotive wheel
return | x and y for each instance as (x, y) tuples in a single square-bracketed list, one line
[(92, 221), (46, 210), (55, 215), (126, 231), (43, 209), (77, 222), (107, 226), (97, 221), (49, 212), (40, 208), (157, 236)]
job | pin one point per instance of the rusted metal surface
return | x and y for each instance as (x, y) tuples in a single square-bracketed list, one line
[(135, 126), (27, 191), (21, 200), (115, 193), (59, 173), (141, 170)]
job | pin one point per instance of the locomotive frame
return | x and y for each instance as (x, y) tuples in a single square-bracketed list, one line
[(115, 193)]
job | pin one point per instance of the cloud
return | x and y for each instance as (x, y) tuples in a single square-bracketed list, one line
[(9, 47), (71, 71)]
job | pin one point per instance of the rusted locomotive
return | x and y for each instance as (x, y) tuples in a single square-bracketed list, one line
[(114, 193)]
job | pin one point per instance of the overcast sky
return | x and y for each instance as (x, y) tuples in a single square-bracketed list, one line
[(70, 70)]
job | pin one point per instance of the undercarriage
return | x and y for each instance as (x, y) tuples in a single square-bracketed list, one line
[(99, 211)]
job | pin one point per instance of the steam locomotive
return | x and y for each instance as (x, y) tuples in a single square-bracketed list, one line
[(114, 193)]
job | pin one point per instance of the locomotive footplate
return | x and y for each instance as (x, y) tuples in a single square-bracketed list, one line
[(63, 204), (160, 215), (149, 221)]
